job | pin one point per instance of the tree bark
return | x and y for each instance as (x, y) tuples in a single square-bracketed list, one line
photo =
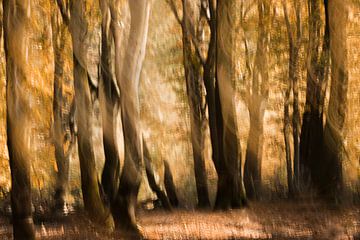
[(230, 187), (331, 183), (257, 104), (93, 202), (111, 171), (128, 77), (17, 16)]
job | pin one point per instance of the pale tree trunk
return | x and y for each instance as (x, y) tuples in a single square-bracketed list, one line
[(17, 19), (128, 77), (90, 186), (331, 183), (63, 114), (230, 181), (111, 171), (257, 104), (312, 129)]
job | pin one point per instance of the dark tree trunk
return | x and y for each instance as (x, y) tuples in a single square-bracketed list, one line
[(170, 185), (331, 182), (286, 131), (195, 95), (312, 129), (128, 77), (16, 36), (153, 179), (231, 192), (111, 171)]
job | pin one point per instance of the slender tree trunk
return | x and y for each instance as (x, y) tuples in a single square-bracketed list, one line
[(128, 80), (90, 186), (230, 181), (17, 16), (331, 183), (111, 171), (286, 131), (258, 100), (295, 38), (153, 179), (195, 95)]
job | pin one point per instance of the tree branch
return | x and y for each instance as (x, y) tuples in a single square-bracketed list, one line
[(174, 10)]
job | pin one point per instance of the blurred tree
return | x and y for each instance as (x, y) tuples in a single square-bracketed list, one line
[(333, 151), (257, 99), (231, 191), (111, 171), (192, 60), (295, 42), (63, 112), (128, 77), (17, 28), (312, 129), (84, 97)]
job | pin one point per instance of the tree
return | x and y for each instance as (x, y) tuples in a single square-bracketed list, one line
[(190, 26), (257, 100), (17, 30), (79, 26), (312, 129), (63, 112), (111, 171), (128, 77), (333, 150), (230, 185), (295, 42)]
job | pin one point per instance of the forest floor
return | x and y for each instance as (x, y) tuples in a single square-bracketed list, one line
[(281, 220)]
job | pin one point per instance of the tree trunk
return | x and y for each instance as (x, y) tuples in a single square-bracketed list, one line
[(195, 95), (111, 171), (153, 179), (331, 183), (17, 16), (257, 104), (63, 115), (312, 129), (170, 186), (93, 202), (286, 131), (230, 185), (128, 80), (294, 39)]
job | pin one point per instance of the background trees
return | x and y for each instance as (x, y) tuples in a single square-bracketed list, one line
[(231, 74)]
